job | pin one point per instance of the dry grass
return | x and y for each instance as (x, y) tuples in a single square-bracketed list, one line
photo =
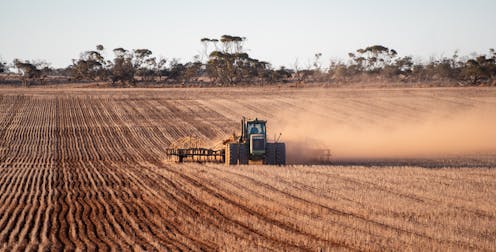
[(82, 168)]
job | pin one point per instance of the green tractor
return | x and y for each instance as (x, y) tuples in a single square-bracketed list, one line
[(249, 148), (252, 146)]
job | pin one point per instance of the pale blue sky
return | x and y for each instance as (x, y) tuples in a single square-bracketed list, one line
[(277, 31)]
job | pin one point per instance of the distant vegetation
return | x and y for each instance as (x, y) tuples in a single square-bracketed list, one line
[(225, 62)]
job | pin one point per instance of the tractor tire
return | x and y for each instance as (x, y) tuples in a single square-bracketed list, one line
[(236, 153), (275, 154)]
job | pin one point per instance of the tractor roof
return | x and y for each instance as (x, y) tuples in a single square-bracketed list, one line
[(256, 120)]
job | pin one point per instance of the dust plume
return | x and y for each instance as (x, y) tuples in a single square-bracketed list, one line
[(448, 133)]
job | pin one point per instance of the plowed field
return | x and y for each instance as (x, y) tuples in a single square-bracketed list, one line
[(84, 169)]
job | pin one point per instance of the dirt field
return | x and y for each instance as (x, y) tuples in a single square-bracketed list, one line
[(84, 169)]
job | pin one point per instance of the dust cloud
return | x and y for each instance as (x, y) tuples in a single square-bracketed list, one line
[(449, 133)]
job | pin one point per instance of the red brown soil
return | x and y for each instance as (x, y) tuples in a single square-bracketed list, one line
[(83, 169)]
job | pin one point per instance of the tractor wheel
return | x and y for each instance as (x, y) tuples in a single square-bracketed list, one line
[(275, 154)]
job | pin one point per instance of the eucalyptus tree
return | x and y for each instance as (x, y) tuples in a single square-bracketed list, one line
[(192, 70), (223, 65), (175, 71), (91, 65), (232, 44), (123, 69), (479, 69), (161, 68), (372, 59), (228, 63), (144, 64), (29, 72)]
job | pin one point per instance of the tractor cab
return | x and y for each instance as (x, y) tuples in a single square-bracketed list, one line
[(255, 127), (254, 134)]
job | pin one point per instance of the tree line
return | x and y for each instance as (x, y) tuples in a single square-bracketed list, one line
[(383, 63), (225, 62)]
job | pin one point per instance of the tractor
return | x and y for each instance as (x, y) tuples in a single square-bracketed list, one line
[(251, 147)]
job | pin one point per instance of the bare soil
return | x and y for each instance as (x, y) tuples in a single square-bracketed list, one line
[(84, 169)]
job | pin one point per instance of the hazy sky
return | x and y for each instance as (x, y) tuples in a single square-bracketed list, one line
[(277, 31)]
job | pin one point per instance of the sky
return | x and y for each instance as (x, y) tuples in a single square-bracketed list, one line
[(277, 31)]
